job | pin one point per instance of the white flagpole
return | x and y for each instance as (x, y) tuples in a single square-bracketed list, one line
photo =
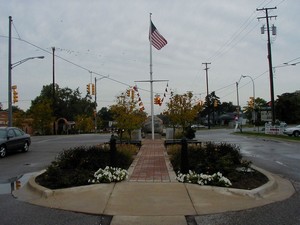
[(151, 82)]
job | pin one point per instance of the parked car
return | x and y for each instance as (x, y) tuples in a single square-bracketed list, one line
[(292, 131), (13, 139)]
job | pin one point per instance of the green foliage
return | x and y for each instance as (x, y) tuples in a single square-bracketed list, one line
[(68, 103), (182, 111), (126, 114), (41, 113), (210, 158), (287, 107), (75, 166), (84, 123), (105, 116)]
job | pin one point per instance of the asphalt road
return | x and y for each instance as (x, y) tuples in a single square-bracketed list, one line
[(43, 151), (278, 157)]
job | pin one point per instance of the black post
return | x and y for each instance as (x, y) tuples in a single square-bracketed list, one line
[(184, 157), (113, 150)]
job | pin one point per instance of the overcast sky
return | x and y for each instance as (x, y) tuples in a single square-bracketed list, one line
[(110, 38)]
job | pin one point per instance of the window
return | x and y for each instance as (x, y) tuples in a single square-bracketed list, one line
[(18, 132), (11, 133)]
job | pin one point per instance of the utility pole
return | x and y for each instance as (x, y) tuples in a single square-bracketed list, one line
[(9, 74), (53, 89), (208, 101), (267, 17), (96, 99)]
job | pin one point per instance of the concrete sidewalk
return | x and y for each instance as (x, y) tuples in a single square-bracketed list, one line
[(152, 195)]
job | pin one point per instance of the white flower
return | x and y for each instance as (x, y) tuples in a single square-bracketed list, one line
[(203, 179), (109, 174)]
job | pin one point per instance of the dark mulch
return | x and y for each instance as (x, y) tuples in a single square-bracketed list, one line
[(250, 180)]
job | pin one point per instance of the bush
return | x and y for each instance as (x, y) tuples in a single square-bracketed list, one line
[(75, 166), (211, 159)]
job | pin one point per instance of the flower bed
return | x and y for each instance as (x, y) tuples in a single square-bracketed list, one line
[(108, 175), (216, 179)]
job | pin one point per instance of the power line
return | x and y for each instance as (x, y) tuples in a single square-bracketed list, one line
[(233, 40), (77, 65)]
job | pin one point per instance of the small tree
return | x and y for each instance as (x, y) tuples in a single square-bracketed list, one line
[(84, 123), (182, 110), (127, 115), (41, 113)]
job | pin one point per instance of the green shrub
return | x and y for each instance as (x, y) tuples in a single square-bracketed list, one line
[(75, 166), (210, 158)]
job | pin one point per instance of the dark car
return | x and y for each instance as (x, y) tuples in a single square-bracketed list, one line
[(13, 139)]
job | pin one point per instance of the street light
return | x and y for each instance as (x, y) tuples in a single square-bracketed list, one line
[(11, 66), (254, 116)]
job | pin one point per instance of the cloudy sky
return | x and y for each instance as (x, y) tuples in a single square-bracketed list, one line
[(110, 38)]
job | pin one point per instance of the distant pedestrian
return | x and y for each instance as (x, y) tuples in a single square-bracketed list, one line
[(236, 119)]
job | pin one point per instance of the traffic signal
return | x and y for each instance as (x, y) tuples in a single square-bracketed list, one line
[(15, 94), (157, 100), (93, 89), (88, 89)]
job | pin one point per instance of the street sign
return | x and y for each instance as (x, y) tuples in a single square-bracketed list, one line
[(266, 116)]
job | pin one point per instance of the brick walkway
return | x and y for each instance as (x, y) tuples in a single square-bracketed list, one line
[(152, 164)]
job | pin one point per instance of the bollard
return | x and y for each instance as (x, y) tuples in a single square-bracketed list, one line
[(184, 168), (113, 150)]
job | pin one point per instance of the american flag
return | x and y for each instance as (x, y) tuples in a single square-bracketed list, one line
[(156, 39)]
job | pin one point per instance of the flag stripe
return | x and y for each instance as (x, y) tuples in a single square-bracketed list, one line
[(156, 39)]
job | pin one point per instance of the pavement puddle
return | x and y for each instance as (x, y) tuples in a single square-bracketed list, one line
[(7, 186)]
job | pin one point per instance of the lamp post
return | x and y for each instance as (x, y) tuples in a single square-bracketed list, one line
[(10, 67), (254, 116)]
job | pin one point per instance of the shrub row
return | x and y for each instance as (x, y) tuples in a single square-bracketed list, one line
[(212, 158), (75, 166)]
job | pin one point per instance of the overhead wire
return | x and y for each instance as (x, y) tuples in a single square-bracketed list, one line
[(79, 66), (233, 40)]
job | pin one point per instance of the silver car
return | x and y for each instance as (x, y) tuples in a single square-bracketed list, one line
[(292, 131)]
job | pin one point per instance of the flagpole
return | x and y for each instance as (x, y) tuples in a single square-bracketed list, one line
[(151, 83)]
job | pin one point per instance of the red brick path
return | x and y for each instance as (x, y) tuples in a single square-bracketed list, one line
[(150, 164)]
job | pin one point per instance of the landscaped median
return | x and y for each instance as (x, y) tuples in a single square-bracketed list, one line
[(151, 199), (167, 199)]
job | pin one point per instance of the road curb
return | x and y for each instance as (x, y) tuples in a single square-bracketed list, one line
[(38, 189), (258, 192)]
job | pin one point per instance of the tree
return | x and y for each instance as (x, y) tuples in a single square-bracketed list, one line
[(41, 113), (105, 116), (19, 117), (182, 110), (68, 104), (287, 107), (211, 105), (248, 110), (226, 107), (84, 123), (127, 115)]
